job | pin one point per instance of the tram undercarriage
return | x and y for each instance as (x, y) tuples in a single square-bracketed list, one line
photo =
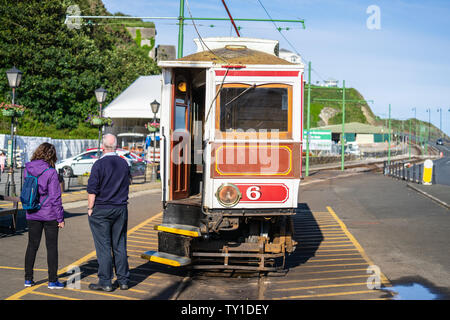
[(225, 240)]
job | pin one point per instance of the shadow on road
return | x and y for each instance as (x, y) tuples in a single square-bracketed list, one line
[(308, 235)]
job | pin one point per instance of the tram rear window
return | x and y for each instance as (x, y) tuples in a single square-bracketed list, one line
[(243, 108)]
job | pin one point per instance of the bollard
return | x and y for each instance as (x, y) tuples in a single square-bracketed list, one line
[(427, 172)]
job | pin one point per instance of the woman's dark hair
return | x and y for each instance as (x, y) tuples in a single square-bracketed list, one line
[(46, 152)]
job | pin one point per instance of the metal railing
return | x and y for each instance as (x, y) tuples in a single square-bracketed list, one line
[(404, 170)]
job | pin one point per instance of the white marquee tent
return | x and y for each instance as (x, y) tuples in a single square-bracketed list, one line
[(134, 102)]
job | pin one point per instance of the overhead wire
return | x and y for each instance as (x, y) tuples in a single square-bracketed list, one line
[(223, 59), (204, 45), (286, 39)]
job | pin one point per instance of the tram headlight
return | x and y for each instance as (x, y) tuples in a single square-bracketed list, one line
[(228, 195)]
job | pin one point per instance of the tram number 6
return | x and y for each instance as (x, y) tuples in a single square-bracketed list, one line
[(253, 193)]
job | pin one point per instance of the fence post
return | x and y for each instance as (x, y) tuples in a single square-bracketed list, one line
[(420, 174), (433, 179)]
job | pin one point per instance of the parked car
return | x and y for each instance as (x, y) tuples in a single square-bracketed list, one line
[(352, 148), (83, 162)]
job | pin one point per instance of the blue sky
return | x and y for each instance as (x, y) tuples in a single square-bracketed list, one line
[(405, 63)]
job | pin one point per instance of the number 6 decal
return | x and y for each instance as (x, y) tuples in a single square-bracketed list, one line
[(253, 193)]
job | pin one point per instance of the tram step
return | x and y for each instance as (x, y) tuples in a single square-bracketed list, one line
[(166, 258), (182, 229)]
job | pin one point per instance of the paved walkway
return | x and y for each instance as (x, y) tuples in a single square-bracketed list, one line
[(437, 192)]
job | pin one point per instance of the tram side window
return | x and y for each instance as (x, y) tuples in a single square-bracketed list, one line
[(258, 108)]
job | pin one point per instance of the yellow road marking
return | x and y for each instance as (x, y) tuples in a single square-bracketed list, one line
[(324, 246), (137, 241), (335, 265), (90, 255), (102, 294), (344, 259), (323, 286), (384, 280), (52, 295), (322, 279), (329, 271), (323, 241), (136, 237), (144, 233), (133, 245), (335, 250), (329, 294), (21, 269), (335, 254)]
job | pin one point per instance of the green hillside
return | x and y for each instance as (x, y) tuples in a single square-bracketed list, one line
[(353, 110), (358, 112), (62, 67)]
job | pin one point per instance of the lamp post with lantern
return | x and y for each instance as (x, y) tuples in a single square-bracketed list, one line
[(100, 95), (14, 76), (155, 107)]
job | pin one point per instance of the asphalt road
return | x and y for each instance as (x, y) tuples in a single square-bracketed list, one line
[(442, 166), (404, 233)]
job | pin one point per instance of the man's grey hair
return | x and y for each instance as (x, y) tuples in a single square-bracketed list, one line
[(109, 141)]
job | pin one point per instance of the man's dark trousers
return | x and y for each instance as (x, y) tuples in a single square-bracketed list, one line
[(109, 230)]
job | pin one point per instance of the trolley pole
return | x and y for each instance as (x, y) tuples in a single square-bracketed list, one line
[(180, 30), (389, 138), (343, 127), (308, 119)]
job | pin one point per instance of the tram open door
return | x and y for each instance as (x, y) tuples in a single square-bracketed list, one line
[(231, 130)]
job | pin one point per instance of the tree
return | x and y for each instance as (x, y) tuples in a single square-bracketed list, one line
[(62, 67)]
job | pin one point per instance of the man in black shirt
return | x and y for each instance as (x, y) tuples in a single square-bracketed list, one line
[(107, 190)]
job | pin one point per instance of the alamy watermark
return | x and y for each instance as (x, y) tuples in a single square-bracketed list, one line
[(74, 280), (73, 23), (373, 22), (374, 280)]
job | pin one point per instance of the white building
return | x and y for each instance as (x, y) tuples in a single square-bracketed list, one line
[(330, 83), (290, 56)]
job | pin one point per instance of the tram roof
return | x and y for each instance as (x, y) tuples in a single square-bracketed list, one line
[(239, 55)]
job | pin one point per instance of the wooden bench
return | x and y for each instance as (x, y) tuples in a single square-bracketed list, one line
[(11, 211)]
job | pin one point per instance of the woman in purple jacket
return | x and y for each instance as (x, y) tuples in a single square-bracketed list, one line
[(50, 217)]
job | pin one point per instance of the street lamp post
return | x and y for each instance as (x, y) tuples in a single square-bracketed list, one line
[(440, 122), (389, 138), (155, 107), (308, 115), (343, 127), (429, 125), (409, 139), (14, 76), (100, 95)]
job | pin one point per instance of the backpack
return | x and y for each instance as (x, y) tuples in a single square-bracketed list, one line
[(30, 192)]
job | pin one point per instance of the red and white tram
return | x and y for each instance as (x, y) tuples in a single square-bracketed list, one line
[(231, 135)]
